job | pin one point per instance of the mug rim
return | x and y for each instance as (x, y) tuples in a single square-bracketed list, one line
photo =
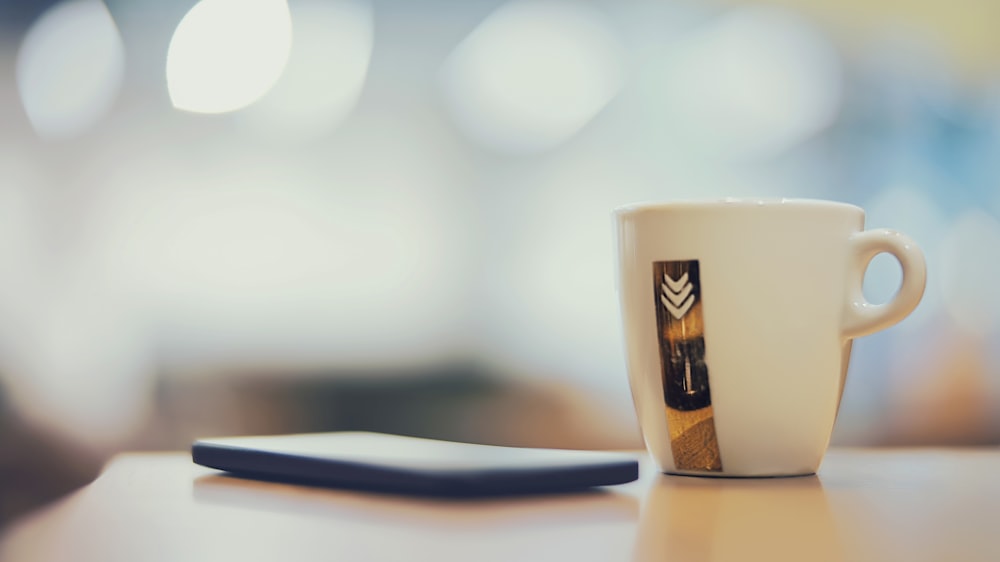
[(735, 202)]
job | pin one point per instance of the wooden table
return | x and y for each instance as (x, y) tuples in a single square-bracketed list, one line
[(909, 504)]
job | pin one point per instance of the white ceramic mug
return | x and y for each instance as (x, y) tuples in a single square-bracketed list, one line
[(738, 318)]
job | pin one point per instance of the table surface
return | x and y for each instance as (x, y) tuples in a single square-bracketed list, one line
[(865, 504)]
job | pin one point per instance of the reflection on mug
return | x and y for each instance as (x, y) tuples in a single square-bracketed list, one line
[(742, 520)]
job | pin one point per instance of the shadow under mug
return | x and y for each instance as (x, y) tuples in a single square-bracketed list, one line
[(738, 318)]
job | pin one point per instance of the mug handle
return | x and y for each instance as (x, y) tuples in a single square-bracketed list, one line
[(862, 317)]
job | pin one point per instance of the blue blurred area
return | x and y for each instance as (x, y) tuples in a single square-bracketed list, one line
[(420, 183)]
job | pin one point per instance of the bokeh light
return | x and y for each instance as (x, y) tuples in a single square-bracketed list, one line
[(970, 266), (226, 54), (532, 74), (70, 68), (326, 70), (749, 84)]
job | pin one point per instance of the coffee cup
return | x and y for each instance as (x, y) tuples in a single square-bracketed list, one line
[(738, 317)]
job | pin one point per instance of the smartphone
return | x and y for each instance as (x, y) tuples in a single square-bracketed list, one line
[(411, 465)]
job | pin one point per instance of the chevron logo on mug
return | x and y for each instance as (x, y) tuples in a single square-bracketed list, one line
[(676, 296)]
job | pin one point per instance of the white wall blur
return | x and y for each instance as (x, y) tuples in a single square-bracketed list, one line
[(398, 183)]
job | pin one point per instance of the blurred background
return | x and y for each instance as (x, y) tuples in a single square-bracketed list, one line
[(260, 216)]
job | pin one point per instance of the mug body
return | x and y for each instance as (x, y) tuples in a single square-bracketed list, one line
[(732, 315)]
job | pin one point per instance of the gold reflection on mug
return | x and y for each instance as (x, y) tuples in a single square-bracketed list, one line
[(719, 520)]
